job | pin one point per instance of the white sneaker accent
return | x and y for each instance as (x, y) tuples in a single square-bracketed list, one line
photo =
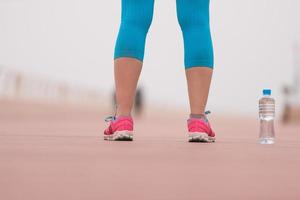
[(120, 136), (200, 137)]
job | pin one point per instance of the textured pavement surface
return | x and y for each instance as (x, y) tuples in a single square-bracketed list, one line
[(57, 152)]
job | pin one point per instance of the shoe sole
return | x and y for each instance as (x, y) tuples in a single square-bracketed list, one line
[(120, 136), (201, 137)]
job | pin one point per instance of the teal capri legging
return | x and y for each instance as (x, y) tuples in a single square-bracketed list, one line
[(193, 18)]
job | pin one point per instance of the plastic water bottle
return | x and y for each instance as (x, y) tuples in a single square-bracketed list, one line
[(267, 116)]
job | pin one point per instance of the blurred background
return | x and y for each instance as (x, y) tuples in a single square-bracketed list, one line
[(62, 51), (57, 86)]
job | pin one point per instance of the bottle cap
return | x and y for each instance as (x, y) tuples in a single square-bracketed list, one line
[(267, 92)]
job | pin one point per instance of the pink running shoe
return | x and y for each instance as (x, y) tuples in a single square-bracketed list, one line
[(200, 130), (120, 129)]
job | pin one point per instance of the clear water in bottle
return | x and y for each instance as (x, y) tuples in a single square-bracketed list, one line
[(267, 116)]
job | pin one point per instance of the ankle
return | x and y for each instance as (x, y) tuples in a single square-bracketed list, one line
[(123, 116), (198, 116), (123, 113)]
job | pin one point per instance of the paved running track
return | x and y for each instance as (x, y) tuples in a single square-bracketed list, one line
[(57, 153)]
